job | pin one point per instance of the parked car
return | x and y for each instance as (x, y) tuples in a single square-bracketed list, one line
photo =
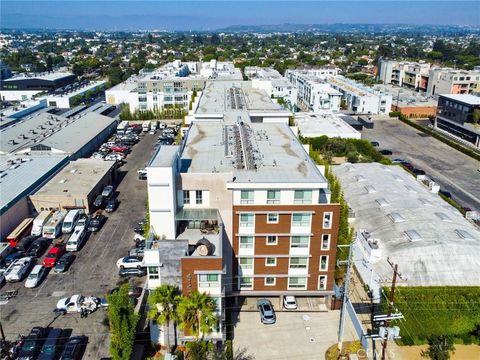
[(96, 223), (289, 302), (139, 272), (386, 152), (74, 347), (51, 347), (24, 244), (107, 191), (137, 251), (98, 203), (32, 344), (38, 247), (374, 143), (267, 314), (398, 161), (111, 205), (53, 255), (134, 292), (77, 303), (447, 194), (162, 125), (418, 171), (130, 262), (408, 166), (18, 269), (64, 263), (35, 276), (84, 221), (12, 257)]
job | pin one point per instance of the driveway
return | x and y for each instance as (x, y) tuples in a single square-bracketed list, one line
[(295, 335)]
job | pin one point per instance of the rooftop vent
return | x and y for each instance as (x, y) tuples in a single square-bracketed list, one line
[(63, 181), (370, 189), (464, 234), (442, 216), (359, 178), (425, 202), (413, 235), (382, 202), (410, 189), (396, 217)]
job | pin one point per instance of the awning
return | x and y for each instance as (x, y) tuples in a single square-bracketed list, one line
[(198, 214)]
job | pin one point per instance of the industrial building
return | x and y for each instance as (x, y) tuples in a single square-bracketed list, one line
[(44, 132), (19, 177), (455, 117), (15, 112), (25, 85), (65, 98), (398, 218), (325, 124), (170, 85), (75, 186)]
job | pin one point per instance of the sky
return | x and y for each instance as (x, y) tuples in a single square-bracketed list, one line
[(212, 15)]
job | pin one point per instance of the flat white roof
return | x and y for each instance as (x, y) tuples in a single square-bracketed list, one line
[(319, 124), (433, 244), (465, 98), (51, 76)]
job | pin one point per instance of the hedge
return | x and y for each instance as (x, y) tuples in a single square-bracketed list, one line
[(437, 310)]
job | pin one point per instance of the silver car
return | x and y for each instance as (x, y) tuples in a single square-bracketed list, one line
[(267, 314)]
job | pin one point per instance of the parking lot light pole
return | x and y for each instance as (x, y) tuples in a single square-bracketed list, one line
[(346, 286)]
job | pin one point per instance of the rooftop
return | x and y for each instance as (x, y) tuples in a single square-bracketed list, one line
[(76, 89), (464, 98), (433, 244), (406, 97), (50, 76), (256, 152), (78, 178), (164, 156), (326, 123), (20, 175)]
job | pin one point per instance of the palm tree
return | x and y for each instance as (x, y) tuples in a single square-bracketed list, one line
[(162, 303), (196, 313)]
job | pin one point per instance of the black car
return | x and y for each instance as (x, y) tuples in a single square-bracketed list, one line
[(447, 194), (38, 247), (139, 272), (111, 205), (374, 143), (98, 202), (32, 344), (418, 171), (24, 244), (137, 251), (386, 152), (51, 347), (73, 347), (96, 223), (12, 257), (64, 263)]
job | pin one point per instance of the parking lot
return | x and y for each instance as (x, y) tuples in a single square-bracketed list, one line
[(295, 335), (452, 170), (94, 270)]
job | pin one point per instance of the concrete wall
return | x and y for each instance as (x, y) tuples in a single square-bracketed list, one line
[(13, 216)]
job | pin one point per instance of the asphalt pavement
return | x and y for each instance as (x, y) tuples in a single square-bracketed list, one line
[(94, 270)]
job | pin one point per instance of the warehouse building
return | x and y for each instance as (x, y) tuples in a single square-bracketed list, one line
[(325, 124), (67, 98), (20, 176), (396, 217), (75, 186)]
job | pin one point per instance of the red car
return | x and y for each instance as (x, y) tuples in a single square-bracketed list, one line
[(121, 149), (53, 255)]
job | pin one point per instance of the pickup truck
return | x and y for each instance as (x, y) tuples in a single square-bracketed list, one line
[(78, 303), (18, 269)]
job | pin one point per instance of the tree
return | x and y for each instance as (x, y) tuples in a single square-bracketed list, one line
[(476, 116), (49, 63), (162, 303), (195, 313), (439, 348), (123, 323)]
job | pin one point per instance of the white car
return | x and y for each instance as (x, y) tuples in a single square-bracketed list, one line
[(130, 262), (35, 276), (162, 125), (152, 132), (113, 157), (289, 302), (76, 303), (18, 269)]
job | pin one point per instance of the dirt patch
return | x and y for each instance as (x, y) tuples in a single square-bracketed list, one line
[(462, 352)]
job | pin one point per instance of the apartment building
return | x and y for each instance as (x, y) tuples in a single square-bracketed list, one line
[(240, 210), (455, 117), (361, 99), (313, 94), (170, 85), (449, 81)]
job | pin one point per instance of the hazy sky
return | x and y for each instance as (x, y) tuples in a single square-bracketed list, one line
[(210, 15)]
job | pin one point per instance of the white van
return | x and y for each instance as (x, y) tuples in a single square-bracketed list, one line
[(70, 221), (35, 276), (53, 228), (76, 239), (39, 221)]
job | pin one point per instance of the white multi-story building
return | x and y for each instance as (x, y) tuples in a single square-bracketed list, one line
[(170, 85)]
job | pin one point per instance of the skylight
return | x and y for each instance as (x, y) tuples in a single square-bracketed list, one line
[(464, 234), (396, 217), (413, 235), (382, 202)]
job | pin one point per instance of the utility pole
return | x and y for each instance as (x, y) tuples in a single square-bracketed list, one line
[(1, 332), (346, 286), (390, 304)]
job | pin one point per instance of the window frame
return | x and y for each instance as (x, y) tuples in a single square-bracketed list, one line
[(326, 263), (301, 223), (299, 247), (270, 257), (244, 247), (277, 218), (276, 240), (329, 236), (298, 266), (248, 266), (326, 279), (330, 221), (240, 282), (290, 287), (186, 199), (303, 199), (274, 200), (270, 277), (198, 199), (248, 223), (249, 200)]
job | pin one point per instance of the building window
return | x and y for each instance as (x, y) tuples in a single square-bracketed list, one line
[(298, 262), (199, 196), (153, 272), (246, 263), (246, 242), (271, 261), (301, 220), (270, 281), (247, 220), (327, 220), (273, 196), (303, 197), (322, 282), (326, 242), (246, 197), (208, 280), (299, 241), (272, 239), (186, 196), (272, 218), (323, 262), (297, 283), (246, 283)]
